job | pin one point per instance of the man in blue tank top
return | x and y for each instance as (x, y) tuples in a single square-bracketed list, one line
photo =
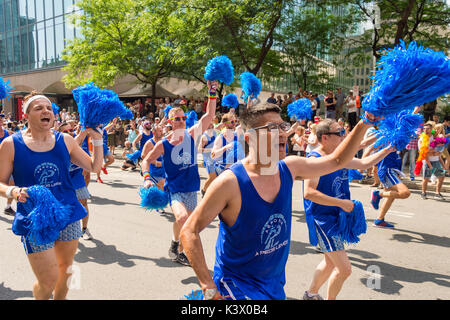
[(42, 156), (254, 202), (179, 152), (324, 197)]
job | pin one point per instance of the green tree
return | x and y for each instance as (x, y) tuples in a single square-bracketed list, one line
[(122, 37), (311, 39)]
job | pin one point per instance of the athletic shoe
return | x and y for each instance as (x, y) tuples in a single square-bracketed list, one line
[(439, 197), (173, 250), (182, 259), (99, 180), (382, 224), (309, 296), (105, 171), (9, 211), (86, 234), (423, 195), (375, 199)]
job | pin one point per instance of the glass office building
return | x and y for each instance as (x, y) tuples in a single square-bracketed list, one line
[(33, 34)]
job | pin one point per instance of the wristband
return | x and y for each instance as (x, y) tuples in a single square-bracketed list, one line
[(146, 175), (9, 191), (97, 143)]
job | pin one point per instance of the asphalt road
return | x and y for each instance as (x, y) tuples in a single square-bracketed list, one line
[(128, 257)]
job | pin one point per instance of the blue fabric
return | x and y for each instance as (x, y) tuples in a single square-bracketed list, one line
[(253, 252), (49, 169), (6, 135), (156, 172), (144, 139), (391, 161), (335, 185), (180, 165), (207, 160)]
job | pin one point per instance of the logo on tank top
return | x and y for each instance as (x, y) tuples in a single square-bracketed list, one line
[(338, 184), (272, 233), (182, 155), (47, 174)]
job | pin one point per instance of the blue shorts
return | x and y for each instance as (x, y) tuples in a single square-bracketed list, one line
[(189, 199), (82, 193), (208, 162), (392, 178), (230, 291), (327, 243), (69, 233)]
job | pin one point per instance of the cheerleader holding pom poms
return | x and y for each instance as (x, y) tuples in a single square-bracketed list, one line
[(40, 156)]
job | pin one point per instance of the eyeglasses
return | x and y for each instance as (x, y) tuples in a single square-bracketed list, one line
[(284, 126), (231, 121), (179, 118)]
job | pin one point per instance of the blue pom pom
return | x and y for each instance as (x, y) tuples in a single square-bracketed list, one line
[(153, 198), (300, 109), (221, 69), (127, 114), (195, 295), (354, 174), (230, 101), (97, 106), (134, 156), (45, 215), (407, 77), (250, 85), (55, 108), (350, 224), (167, 110), (191, 119), (5, 89), (398, 129)]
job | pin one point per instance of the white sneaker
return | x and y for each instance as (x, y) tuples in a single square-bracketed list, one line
[(86, 234)]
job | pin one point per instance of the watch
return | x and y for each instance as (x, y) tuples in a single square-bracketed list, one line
[(209, 293)]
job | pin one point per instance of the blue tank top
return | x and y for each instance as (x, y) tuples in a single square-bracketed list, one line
[(335, 185), (234, 154), (85, 145), (154, 170), (180, 165), (6, 135), (49, 169), (76, 174), (211, 140), (144, 139), (254, 251)]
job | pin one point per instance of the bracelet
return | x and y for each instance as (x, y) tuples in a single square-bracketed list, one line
[(146, 175), (97, 143), (9, 191)]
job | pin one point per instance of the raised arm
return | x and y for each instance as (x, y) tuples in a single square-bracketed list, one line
[(80, 158), (342, 155), (370, 161), (207, 118)]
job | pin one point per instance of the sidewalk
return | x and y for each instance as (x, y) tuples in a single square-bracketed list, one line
[(417, 183)]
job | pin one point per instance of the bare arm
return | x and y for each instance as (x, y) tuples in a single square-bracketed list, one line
[(314, 167), (220, 198), (79, 157), (151, 157), (312, 194), (369, 161), (207, 118)]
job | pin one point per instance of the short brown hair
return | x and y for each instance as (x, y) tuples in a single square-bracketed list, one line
[(252, 114), (323, 127)]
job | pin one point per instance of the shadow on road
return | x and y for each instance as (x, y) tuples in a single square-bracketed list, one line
[(107, 201), (105, 254), (9, 294)]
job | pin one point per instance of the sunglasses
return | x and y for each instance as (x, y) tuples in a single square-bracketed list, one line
[(284, 126), (231, 121), (339, 133), (179, 118)]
